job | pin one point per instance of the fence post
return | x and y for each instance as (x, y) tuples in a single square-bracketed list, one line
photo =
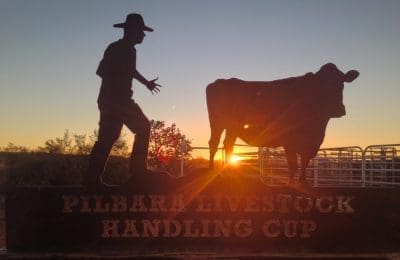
[(316, 172), (182, 148), (223, 157), (363, 168), (261, 161)]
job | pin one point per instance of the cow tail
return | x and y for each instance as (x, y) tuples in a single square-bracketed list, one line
[(212, 104)]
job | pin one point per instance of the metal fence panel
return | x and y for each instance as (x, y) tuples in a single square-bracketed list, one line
[(351, 166), (382, 165)]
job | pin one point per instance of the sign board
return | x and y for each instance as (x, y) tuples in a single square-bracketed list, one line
[(210, 213)]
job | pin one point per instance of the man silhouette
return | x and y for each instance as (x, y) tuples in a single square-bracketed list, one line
[(117, 69)]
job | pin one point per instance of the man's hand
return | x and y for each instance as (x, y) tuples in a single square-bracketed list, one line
[(153, 86)]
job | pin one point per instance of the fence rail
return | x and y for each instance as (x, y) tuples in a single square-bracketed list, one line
[(374, 166)]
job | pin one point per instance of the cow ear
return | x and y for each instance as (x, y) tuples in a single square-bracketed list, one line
[(351, 75)]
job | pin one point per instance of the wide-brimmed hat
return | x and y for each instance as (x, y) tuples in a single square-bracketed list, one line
[(134, 21)]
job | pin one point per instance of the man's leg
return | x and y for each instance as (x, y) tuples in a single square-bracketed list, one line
[(109, 130), (138, 123)]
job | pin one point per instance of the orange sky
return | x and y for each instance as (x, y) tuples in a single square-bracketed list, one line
[(50, 53)]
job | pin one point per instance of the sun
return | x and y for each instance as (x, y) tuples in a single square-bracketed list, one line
[(235, 159)]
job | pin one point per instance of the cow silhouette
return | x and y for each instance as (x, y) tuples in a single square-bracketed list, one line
[(292, 113)]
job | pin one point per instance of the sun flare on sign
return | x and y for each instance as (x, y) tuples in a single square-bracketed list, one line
[(235, 159)]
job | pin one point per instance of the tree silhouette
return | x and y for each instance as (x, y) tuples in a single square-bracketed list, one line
[(58, 145), (120, 147), (167, 145), (79, 144), (81, 147), (12, 148)]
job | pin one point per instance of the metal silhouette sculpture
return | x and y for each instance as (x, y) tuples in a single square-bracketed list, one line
[(292, 113), (117, 69)]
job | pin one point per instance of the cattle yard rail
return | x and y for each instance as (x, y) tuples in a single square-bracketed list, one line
[(351, 166), (339, 166)]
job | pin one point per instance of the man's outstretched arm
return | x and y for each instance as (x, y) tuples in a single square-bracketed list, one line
[(151, 85)]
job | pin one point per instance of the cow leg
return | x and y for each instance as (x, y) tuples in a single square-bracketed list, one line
[(229, 142), (305, 160), (304, 164), (213, 144), (291, 158)]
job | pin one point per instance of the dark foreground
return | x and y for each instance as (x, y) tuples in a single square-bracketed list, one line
[(193, 255), (209, 215)]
